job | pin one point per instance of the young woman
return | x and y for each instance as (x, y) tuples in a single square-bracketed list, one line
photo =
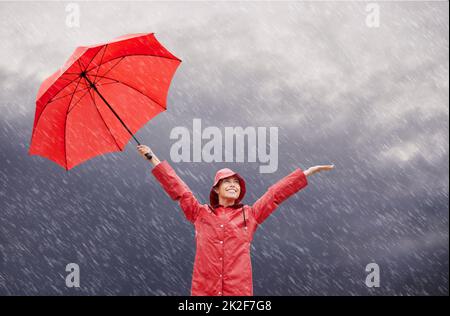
[(224, 229)]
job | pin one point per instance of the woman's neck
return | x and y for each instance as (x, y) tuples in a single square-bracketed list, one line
[(226, 201)]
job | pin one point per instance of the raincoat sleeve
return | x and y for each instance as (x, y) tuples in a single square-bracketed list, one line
[(278, 193), (177, 190)]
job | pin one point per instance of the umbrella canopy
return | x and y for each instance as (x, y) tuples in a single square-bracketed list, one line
[(100, 98)]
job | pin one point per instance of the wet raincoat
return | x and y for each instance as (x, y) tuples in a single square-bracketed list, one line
[(224, 234)]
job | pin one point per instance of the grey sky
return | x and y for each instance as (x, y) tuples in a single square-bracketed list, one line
[(374, 101)]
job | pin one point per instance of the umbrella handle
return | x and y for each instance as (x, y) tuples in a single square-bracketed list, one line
[(148, 156)]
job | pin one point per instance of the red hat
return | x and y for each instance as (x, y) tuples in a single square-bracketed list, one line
[(220, 175)]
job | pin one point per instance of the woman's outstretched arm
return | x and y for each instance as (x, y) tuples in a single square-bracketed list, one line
[(173, 185), (282, 190)]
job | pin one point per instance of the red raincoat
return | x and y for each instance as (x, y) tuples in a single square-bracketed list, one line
[(224, 234)]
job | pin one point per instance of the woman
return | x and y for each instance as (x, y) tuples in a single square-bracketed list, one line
[(224, 229)]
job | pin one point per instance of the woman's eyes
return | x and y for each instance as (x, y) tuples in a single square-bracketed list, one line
[(232, 181)]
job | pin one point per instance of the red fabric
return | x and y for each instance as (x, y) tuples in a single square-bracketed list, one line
[(222, 263), (72, 123)]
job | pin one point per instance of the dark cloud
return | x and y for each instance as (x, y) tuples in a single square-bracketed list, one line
[(372, 101)]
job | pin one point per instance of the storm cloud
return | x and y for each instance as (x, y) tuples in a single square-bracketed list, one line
[(373, 101)]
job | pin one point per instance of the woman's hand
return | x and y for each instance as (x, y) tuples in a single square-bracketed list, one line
[(315, 169), (143, 150)]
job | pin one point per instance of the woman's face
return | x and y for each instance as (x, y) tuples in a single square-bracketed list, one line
[(229, 188)]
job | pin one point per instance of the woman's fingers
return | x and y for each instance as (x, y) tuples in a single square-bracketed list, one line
[(319, 168), (143, 149), (325, 167)]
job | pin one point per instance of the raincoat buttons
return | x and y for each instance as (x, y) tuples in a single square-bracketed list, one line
[(220, 259), (221, 225), (220, 293), (221, 241)]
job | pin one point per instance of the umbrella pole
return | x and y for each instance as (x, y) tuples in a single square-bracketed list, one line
[(92, 85)]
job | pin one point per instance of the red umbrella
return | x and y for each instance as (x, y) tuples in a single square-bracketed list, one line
[(100, 98)]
